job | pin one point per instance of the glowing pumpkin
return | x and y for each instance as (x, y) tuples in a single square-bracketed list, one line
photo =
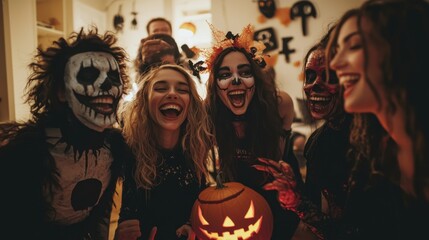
[(231, 211)]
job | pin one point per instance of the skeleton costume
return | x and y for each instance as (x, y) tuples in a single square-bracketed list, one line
[(70, 151)]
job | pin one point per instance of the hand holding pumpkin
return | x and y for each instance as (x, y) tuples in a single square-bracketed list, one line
[(284, 182), (186, 230), (3, 142), (7, 131), (128, 230)]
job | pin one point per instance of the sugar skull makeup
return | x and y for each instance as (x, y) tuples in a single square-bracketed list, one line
[(322, 94), (93, 88), (228, 78), (235, 82)]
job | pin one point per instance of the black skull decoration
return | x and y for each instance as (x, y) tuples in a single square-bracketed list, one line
[(303, 9), (267, 8)]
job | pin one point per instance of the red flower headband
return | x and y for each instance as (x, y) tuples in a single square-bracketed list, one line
[(224, 41)]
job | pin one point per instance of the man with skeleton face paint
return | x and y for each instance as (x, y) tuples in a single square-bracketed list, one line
[(93, 88), (68, 153)]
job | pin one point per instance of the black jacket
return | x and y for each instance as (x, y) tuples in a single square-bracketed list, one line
[(28, 164)]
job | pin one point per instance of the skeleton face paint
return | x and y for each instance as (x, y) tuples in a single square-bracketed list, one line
[(227, 79), (93, 88), (235, 81), (322, 95)]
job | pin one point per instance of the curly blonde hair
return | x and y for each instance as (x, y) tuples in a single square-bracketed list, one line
[(139, 130)]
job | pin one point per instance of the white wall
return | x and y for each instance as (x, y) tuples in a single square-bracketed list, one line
[(20, 41), (199, 13), (234, 15), (172, 10), (129, 38), (227, 15), (85, 15)]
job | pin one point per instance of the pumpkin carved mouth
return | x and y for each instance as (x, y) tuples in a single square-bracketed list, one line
[(237, 234)]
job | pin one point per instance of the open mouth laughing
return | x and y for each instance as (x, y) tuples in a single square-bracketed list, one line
[(237, 98), (348, 81), (319, 103), (171, 110)]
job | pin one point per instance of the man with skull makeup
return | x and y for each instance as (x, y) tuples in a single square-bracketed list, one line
[(68, 153), (328, 166)]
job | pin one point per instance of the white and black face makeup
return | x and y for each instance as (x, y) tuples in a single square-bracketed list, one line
[(235, 82), (93, 87)]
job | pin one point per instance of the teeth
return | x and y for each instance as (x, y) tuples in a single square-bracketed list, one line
[(348, 78), (107, 99), (236, 92), (320, 98), (171, 106)]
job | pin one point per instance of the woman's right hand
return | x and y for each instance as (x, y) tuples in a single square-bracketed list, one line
[(128, 230)]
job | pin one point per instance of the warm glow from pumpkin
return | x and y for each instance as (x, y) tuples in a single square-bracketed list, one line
[(228, 222), (201, 217), (231, 211), (239, 233), (251, 212)]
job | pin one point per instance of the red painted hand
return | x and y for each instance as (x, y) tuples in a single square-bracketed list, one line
[(284, 182)]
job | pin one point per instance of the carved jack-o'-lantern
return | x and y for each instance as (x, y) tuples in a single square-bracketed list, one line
[(231, 211)]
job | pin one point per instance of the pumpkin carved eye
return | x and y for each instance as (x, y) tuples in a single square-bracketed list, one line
[(201, 217), (251, 212)]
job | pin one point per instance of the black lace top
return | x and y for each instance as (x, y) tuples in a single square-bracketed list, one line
[(167, 205)]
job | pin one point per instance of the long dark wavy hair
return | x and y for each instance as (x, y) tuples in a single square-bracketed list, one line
[(402, 27), (365, 131), (264, 125)]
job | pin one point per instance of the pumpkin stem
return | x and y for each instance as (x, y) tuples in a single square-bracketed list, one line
[(219, 182)]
